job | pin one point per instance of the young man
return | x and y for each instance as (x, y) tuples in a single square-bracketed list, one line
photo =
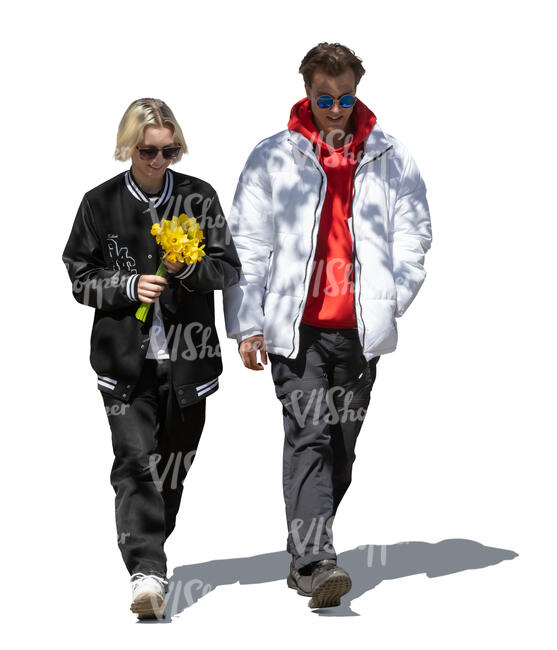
[(154, 377), (331, 223)]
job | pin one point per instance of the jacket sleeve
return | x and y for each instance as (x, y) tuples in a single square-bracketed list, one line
[(251, 225), (410, 237), (220, 266), (93, 284)]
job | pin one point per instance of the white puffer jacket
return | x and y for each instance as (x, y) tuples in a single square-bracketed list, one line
[(274, 222)]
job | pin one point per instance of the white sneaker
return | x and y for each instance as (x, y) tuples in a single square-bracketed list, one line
[(148, 595)]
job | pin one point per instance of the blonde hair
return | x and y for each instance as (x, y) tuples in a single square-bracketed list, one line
[(140, 114)]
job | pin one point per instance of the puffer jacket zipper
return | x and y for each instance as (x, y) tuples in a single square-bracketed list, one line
[(354, 250), (310, 258), (311, 254)]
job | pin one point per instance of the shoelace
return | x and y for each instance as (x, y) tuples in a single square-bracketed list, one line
[(320, 568), (137, 577)]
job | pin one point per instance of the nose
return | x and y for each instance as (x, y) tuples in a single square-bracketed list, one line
[(335, 108), (159, 159)]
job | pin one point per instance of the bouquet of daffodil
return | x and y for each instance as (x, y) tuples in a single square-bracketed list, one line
[(180, 239)]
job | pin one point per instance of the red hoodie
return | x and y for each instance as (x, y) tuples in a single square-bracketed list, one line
[(330, 301)]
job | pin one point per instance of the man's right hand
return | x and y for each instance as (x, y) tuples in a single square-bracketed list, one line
[(150, 287), (248, 351)]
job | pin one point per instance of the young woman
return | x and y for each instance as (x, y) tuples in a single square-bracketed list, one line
[(154, 377)]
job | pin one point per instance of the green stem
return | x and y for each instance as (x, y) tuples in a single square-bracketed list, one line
[(143, 309)]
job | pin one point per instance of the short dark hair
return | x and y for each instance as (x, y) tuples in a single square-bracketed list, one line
[(333, 59)]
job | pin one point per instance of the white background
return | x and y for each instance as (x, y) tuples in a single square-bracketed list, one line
[(458, 441)]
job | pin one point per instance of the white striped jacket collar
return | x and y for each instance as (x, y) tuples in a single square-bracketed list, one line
[(138, 194)]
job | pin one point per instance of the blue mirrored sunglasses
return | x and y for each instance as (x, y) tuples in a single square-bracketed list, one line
[(326, 101)]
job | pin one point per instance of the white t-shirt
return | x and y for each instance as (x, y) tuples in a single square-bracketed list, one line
[(157, 341), (158, 348)]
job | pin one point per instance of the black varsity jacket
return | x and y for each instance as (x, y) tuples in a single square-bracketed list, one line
[(110, 246)]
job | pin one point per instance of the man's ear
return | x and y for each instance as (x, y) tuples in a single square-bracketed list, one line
[(308, 91)]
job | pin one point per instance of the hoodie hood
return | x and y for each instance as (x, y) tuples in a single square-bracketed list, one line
[(301, 120)]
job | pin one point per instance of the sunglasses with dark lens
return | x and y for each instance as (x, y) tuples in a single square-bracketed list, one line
[(150, 153), (326, 101)]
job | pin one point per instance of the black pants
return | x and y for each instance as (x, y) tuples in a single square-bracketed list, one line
[(154, 442), (324, 393)]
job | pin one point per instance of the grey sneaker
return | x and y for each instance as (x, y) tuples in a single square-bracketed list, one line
[(324, 581)]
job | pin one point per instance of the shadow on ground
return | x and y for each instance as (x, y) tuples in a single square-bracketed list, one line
[(368, 566)]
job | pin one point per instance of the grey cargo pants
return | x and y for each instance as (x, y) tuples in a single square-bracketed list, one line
[(325, 392)]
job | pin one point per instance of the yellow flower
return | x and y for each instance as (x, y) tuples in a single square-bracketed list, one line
[(180, 238), (186, 222), (196, 254)]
